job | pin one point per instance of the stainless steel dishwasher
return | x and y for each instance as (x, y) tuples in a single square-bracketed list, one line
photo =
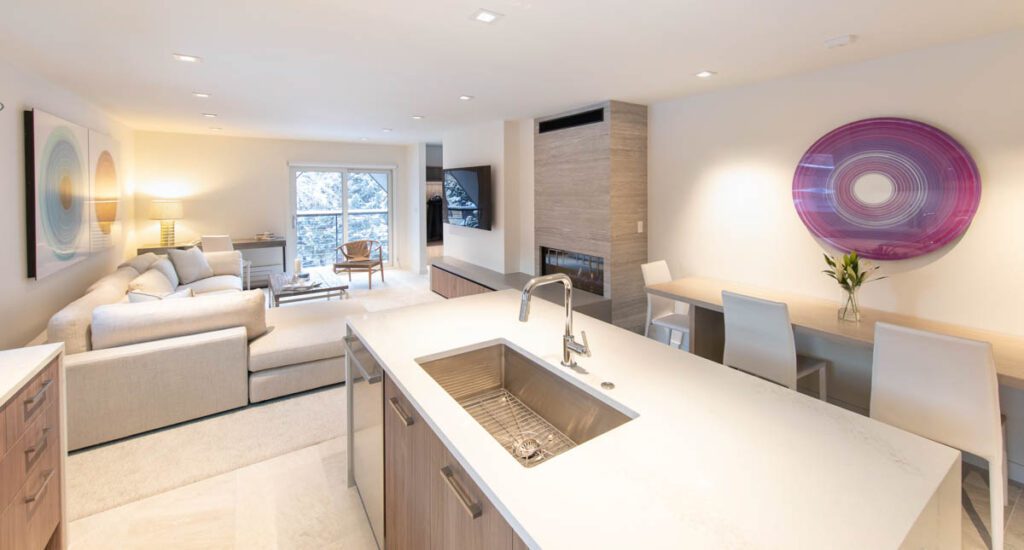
[(363, 377)]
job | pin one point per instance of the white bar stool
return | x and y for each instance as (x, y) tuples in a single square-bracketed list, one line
[(946, 389), (759, 340), (661, 312)]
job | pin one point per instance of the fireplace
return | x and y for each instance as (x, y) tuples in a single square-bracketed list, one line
[(586, 272)]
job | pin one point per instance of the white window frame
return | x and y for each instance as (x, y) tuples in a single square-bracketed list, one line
[(344, 170)]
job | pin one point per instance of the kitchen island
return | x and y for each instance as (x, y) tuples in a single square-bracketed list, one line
[(709, 457)]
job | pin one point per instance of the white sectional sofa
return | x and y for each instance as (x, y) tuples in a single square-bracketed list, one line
[(166, 358)]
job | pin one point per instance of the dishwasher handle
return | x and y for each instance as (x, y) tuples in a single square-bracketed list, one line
[(358, 356)]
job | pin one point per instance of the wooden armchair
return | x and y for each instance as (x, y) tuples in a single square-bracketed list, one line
[(358, 257)]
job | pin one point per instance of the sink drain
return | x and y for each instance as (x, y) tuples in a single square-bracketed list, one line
[(526, 448)]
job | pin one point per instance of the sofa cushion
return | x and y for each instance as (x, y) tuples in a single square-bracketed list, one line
[(167, 268), (71, 324), (228, 262), (123, 324), (138, 296), (142, 262), (190, 264), (302, 333), (217, 283), (152, 282)]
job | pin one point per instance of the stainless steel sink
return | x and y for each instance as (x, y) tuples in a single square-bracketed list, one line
[(534, 413)]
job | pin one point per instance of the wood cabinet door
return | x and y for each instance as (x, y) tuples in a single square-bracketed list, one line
[(469, 520), (406, 483), (430, 502)]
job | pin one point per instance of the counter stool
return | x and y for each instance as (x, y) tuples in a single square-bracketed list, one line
[(661, 312), (946, 389), (759, 340)]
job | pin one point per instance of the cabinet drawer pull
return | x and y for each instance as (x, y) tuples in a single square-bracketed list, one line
[(406, 419), (37, 448), (42, 488), (472, 508), (39, 396)]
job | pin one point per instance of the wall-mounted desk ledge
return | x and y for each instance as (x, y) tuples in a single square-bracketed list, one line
[(819, 316)]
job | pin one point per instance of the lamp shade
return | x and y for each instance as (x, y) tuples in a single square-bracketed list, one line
[(165, 209)]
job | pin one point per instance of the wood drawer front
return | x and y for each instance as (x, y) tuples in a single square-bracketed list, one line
[(28, 454), (29, 521), (3, 431), (31, 402)]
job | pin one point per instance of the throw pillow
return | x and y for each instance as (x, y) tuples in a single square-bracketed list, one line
[(137, 296), (142, 262), (152, 282), (163, 265), (190, 264)]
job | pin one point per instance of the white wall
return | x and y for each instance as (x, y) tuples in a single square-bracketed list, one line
[(27, 304), (240, 186), (720, 181), (479, 145), (507, 146), (519, 163), (721, 168), (415, 233)]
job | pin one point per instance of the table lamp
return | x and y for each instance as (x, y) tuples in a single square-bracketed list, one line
[(166, 210)]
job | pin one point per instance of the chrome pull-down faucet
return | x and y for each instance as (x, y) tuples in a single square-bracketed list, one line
[(569, 343)]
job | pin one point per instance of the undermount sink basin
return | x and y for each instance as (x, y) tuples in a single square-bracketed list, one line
[(534, 413)]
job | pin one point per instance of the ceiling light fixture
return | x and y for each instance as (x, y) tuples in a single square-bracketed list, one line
[(417, 117), (466, 97), (210, 115), (187, 58), (705, 74), (486, 16), (364, 139), (216, 128), (386, 130), (202, 95)]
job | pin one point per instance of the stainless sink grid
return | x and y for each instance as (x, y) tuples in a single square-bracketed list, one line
[(527, 436)]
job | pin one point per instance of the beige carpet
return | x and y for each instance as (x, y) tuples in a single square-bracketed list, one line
[(125, 471)]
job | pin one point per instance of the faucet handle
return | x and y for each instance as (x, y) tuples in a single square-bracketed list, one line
[(586, 343)]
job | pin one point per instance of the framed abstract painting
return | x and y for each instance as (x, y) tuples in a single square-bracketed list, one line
[(56, 193), (887, 188), (104, 191)]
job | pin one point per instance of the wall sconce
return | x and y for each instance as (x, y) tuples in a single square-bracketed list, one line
[(106, 213), (166, 210)]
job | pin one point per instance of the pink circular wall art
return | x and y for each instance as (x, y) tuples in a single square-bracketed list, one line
[(888, 188)]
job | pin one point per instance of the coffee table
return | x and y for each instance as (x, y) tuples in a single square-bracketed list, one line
[(330, 285)]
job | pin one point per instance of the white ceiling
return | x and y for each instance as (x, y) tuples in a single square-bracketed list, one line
[(343, 70)]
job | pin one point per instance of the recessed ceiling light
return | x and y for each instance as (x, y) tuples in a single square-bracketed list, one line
[(364, 139), (187, 58), (486, 16), (706, 74), (210, 115), (466, 97), (417, 117), (386, 129), (202, 95), (216, 128)]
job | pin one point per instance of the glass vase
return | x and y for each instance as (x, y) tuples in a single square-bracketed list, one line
[(849, 310)]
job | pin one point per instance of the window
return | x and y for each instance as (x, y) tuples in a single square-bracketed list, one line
[(338, 205)]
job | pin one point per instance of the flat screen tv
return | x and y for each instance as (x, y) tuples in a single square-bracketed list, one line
[(467, 196)]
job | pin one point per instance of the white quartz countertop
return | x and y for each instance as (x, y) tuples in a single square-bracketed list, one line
[(19, 366), (714, 458)]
